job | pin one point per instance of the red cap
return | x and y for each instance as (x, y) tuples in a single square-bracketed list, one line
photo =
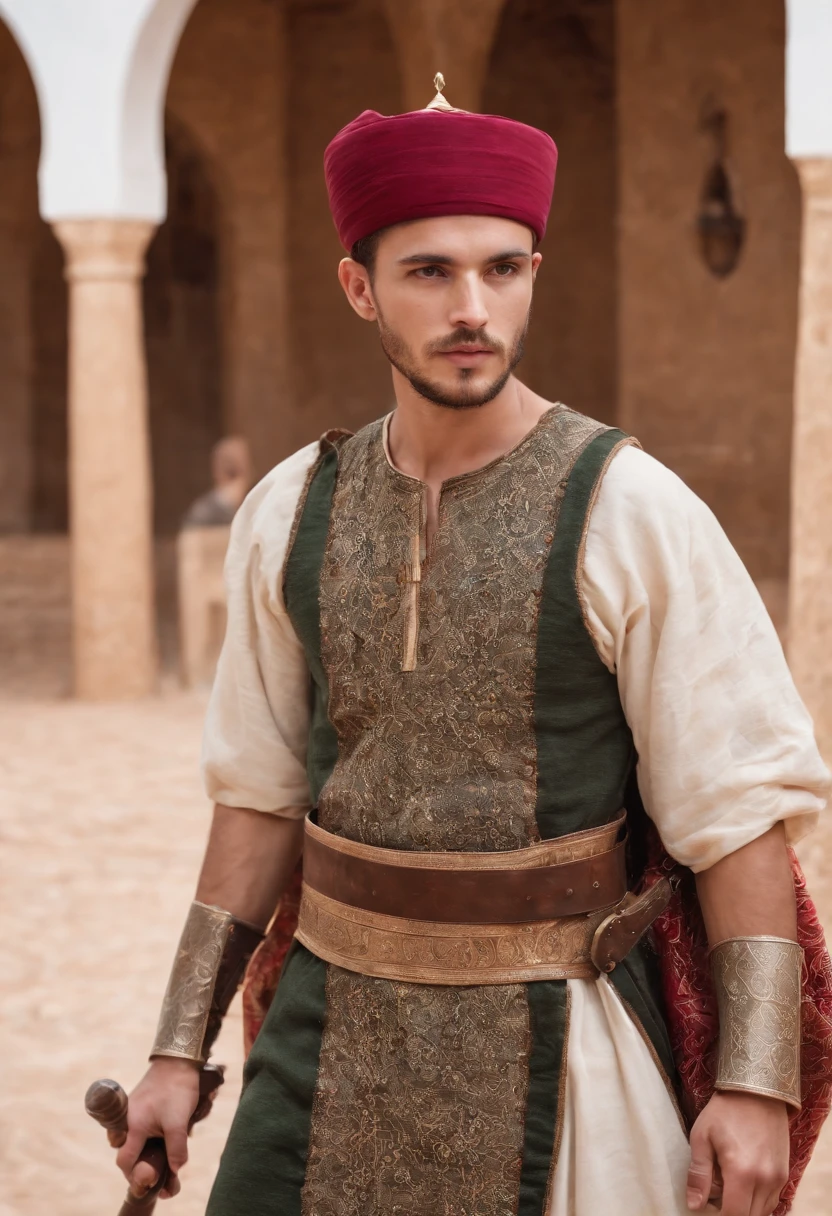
[(386, 170)]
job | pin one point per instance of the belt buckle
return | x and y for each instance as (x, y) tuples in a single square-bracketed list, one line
[(626, 924)]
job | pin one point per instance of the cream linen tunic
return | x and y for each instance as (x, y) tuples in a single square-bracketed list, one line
[(725, 745)]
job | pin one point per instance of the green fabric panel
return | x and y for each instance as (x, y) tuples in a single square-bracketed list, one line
[(263, 1167), (585, 752), (584, 746), (548, 1021), (636, 979), (302, 584)]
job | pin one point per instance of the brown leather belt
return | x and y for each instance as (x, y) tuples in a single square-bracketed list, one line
[(542, 882), (555, 910)]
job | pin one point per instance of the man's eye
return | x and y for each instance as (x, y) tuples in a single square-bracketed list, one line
[(429, 272), (504, 270)]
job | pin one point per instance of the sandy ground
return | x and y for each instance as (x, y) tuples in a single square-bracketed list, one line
[(102, 827)]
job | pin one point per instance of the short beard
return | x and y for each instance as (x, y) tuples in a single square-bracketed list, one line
[(401, 356)]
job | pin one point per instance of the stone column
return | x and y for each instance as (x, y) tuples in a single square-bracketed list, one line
[(810, 588), (114, 630), (449, 36)]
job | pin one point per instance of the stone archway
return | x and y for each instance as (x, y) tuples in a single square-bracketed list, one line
[(553, 65), (295, 360), (34, 582)]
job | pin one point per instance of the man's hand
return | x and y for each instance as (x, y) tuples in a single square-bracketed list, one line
[(160, 1105), (743, 1140)]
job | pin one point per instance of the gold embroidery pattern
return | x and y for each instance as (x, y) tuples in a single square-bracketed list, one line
[(757, 982), (421, 1090), (443, 756), (420, 1103), (428, 952)]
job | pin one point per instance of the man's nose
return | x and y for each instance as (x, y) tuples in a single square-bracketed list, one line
[(468, 308)]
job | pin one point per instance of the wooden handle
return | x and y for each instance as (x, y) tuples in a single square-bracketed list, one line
[(106, 1102), (156, 1157)]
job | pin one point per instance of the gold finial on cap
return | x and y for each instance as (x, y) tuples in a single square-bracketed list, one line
[(439, 102)]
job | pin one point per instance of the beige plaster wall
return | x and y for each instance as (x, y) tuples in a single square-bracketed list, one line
[(706, 366), (553, 65)]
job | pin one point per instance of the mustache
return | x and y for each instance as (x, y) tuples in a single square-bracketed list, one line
[(466, 337)]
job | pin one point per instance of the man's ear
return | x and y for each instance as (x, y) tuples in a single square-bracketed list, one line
[(537, 258), (355, 280)]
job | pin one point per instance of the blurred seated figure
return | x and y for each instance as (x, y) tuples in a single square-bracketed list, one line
[(201, 548), (231, 471)]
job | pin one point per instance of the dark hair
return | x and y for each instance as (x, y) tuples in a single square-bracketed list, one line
[(365, 249)]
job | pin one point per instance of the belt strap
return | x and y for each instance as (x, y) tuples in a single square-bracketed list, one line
[(515, 887)]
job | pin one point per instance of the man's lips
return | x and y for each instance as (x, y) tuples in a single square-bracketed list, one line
[(465, 356)]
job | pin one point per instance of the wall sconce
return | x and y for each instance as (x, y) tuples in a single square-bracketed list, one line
[(721, 227)]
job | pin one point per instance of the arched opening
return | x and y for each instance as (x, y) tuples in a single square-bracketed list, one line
[(33, 311), (183, 333), (553, 65), (34, 569), (295, 361), (49, 303)]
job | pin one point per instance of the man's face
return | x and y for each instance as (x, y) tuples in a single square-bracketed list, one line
[(452, 298)]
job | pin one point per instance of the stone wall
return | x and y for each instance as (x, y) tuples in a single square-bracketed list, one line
[(48, 435), (183, 334), (228, 90), (553, 65), (341, 62), (36, 614), (247, 328), (19, 149), (706, 365)]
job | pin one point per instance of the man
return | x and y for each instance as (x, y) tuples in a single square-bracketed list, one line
[(231, 474), (457, 634)]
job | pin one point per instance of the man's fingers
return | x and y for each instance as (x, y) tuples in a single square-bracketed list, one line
[(128, 1154), (767, 1192), (701, 1172), (142, 1179), (738, 1195), (176, 1145), (116, 1138)]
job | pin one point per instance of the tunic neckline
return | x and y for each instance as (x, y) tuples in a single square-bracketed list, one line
[(556, 408)]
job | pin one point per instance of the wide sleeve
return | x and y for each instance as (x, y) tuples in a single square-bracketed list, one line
[(726, 748), (257, 725)]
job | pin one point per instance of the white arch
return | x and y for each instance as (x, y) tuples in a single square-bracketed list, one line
[(809, 79), (100, 70), (142, 133)]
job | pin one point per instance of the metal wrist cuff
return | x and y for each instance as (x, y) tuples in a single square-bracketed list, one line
[(758, 988), (213, 953)]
